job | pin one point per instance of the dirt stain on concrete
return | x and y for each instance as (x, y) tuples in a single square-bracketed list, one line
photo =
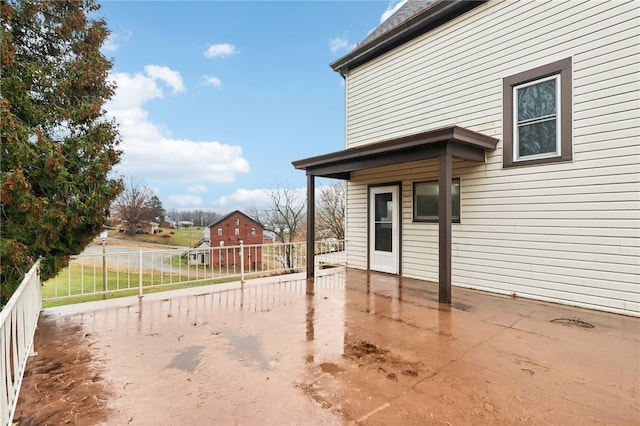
[(64, 383)]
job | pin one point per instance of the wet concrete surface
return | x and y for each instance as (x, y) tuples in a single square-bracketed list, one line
[(350, 348)]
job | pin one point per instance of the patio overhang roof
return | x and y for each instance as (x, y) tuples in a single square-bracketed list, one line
[(443, 144), (454, 140)]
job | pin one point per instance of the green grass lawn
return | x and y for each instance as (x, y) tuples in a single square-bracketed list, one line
[(85, 283), (185, 237), (73, 290)]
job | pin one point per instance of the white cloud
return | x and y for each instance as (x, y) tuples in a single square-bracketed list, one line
[(185, 201), (220, 50), (112, 43), (172, 78), (245, 197), (339, 43), (152, 155), (212, 81), (197, 189), (391, 9)]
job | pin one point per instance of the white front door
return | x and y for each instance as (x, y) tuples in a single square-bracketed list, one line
[(384, 247)]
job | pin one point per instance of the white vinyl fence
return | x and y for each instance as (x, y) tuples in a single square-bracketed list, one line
[(118, 269), (18, 320)]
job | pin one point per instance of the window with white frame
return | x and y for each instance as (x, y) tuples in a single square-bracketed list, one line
[(537, 115), (219, 232), (237, 231), (426, 201), (253, 231)]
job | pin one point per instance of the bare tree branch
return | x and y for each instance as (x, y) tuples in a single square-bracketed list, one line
[(331, 211), (135, 205), (286, 213)]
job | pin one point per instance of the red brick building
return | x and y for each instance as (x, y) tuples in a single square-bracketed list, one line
[(229, 231)]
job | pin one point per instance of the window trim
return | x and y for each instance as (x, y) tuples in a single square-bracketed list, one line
[(560, 68), (557, 118), (454, 219)]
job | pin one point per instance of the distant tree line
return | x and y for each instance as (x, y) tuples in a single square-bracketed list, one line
[(198, 217)]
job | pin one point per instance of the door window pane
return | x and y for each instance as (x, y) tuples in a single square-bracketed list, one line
[(383, 237), (383, 207), (383, 226)]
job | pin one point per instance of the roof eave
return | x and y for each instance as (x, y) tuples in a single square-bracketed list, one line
[(431, 17), (456, 140)]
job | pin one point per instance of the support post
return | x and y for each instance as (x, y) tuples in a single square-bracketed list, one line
[(140, 273), (311, 225), (445, 212)]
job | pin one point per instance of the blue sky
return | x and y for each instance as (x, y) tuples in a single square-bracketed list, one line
[(216, 98)]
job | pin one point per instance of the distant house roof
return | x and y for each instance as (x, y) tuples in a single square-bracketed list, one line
[(225, 217), (412, 19)]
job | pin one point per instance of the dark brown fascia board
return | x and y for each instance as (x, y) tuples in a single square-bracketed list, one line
[(407, 143), (339, 175), (371, 160), (430, 18), (470, 137), (343, 169), (374, 148)]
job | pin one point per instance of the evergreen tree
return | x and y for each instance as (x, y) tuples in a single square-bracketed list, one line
[(58, 147), (157, 210)]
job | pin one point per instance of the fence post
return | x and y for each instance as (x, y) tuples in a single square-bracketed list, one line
[(241, 261), (104, 266), (140, 274)]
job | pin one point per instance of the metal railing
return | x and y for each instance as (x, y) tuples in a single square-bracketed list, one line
[(130, 272), (18, 321)]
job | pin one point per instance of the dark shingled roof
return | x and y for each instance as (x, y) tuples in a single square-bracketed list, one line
[(411, 20), (406, 11)]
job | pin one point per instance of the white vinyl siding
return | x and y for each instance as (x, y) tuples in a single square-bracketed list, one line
[(564, 232)]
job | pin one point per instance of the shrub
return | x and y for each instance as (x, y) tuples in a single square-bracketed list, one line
[(166, 236)]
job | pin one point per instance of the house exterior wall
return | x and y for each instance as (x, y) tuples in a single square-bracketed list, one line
[(565, 232), (222, 256), (199, 257)]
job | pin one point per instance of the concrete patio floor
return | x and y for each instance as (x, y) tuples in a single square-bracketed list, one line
[(365, 348)]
